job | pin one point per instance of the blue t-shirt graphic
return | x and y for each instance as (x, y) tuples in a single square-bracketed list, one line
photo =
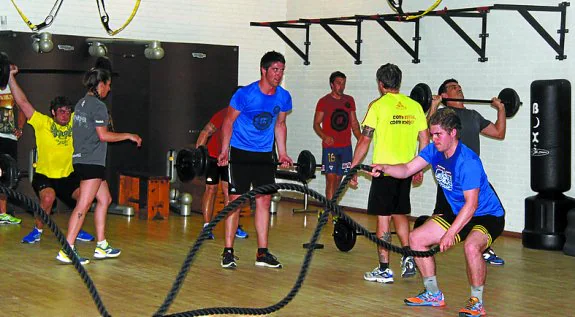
[(463, 171), (254, 128)]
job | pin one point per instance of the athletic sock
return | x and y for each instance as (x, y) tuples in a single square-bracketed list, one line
[(383, 266), (477, 291), (102, 244), (430, 284)]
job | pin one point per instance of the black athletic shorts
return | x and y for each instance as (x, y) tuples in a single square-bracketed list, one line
[(251, 168), (389, 196), (90, 171), (64, 187), (215, 173), (490, 225)]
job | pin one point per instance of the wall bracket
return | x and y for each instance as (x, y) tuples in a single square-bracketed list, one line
[(446, 15)]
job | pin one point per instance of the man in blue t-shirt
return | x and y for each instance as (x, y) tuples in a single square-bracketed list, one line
[(478, 216), (256, 115)]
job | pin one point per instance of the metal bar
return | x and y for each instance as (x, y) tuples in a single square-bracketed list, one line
[(462, 34), (341, 41), (397, 38), (416, 40), (291, 44), (467, 100), (525, 7), (483, 36), (544, 34), (358, 42)]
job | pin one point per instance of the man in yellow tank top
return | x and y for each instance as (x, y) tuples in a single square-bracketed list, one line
[(54, 175), (396, 123)]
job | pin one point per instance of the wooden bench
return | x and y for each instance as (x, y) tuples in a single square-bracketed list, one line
[(147, 194)]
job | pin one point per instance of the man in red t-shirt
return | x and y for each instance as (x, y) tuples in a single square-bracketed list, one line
[(211, 134), (334, 121)]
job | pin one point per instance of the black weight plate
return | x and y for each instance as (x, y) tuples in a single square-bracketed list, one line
[(511, 100), (305, 165), (422, 94), (184, 165), (344, 236)]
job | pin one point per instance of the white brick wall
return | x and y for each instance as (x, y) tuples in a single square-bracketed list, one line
[(517, 56)]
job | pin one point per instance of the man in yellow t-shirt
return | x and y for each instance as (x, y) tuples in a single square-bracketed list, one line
[(396, 123), (54, 175)]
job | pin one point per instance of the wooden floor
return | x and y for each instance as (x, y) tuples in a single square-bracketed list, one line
[(33, 283)]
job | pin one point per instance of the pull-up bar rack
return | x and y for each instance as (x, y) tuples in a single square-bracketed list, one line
[(447, 15)]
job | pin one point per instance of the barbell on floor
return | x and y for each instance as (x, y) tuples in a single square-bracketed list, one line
[(9, 173), (508, 96), (194, 162)]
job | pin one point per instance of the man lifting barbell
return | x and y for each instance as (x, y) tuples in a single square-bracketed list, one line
[(473, 124)]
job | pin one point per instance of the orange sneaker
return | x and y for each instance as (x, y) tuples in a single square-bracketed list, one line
[(473, 308)]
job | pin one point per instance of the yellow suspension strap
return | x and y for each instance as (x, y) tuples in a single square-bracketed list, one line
[(105, 18), (47, 22), (397, 7)]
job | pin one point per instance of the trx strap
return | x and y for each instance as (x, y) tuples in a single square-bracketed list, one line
[(49, 19), (105, 18)]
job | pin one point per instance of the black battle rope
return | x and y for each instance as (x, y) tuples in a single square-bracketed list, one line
[(307, 260), (32, 205)]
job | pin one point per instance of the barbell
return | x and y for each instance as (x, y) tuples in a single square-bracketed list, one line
[(194, 162), (508, 96), (9, 173)]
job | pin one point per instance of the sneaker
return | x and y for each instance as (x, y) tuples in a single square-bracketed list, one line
[(229, 260), (106, 252), (267, 259), (490, 257), (9, 219), (33, 236), (240, 233), (426, 298), (84, 236), (473, 308), (408, 267), (377, 275), (62, 257)]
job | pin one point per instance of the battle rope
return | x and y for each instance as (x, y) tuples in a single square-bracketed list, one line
[(307, 259), (105, 18), (47, 22), (330, 205), (29, 204)]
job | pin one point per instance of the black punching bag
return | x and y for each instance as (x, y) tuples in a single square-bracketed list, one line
[(551, 136), (550, 140)]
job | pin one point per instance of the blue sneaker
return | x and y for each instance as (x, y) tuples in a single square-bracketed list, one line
[(490, 257), (426, 298), (84, 236), (33, 237), (240, 233)]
